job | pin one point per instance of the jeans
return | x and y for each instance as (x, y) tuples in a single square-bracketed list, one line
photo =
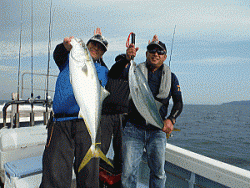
[(134, 141)]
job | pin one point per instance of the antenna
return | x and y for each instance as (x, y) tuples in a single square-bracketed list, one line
[(32, 71), (172, 46)]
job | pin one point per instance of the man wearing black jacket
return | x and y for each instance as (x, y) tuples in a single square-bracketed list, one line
[(116, 106), (137, 134)]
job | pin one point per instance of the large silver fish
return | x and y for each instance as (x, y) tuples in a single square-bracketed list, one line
[(143, 97), (89, 94)]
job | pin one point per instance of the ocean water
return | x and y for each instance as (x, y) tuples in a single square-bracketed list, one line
[(221, 132), (3, 101)]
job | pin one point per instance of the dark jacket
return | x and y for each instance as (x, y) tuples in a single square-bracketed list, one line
[(118, 101)]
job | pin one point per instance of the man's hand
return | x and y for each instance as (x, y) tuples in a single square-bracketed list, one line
[(168, 126), (155, 38), (66, 43), (131, 51), (97, 31)]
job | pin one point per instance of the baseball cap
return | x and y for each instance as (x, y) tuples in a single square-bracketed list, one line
[(101, 39), (158, 44)]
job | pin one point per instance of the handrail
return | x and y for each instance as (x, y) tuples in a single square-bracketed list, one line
[(29, 101), (38, 74), (214, 170)]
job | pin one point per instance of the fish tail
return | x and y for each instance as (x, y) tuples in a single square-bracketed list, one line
[(175, 129), (104, 93), (168, 135), (86, 159), (97, 153), (103, 157)]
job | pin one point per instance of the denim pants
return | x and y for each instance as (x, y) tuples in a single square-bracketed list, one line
[(134, 141)]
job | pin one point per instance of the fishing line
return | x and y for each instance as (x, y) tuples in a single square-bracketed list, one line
[(19, 70), (19, 58), (172, 46), (49, 48), (47, 102)]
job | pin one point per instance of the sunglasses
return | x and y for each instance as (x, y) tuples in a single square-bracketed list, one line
[(159, 52)]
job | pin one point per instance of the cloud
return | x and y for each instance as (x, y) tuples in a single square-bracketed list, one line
[(216, 61), (11, 49), (7, 69)]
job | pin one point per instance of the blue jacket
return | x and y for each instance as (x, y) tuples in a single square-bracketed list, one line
[(64, 101)]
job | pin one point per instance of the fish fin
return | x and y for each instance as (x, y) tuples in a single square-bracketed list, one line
[(102, 156), (86, 159), (96, 154), (175, 129), (80, 114), (129, 97), (85, 69), (158, 104), (104, 93), (70, 78), (168, 135)]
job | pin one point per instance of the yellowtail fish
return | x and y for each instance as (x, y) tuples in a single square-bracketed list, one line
[(89, 95), (143, 98)]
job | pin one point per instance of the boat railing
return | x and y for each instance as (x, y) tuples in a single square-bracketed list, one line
[(48, 104), (201, 171), (15, 102), (35, 74)]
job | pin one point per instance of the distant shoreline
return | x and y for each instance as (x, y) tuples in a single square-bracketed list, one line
[(238, 102), (3, 101)]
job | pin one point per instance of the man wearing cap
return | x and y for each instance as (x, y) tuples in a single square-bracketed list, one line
[(137, 135), (68, 138)]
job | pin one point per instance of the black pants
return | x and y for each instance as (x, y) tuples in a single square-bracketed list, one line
[(67, 144), (112, 125)]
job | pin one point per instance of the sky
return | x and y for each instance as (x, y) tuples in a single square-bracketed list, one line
[(210, 52)]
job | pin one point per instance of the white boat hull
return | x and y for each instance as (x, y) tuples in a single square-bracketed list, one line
[(21, 143)]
